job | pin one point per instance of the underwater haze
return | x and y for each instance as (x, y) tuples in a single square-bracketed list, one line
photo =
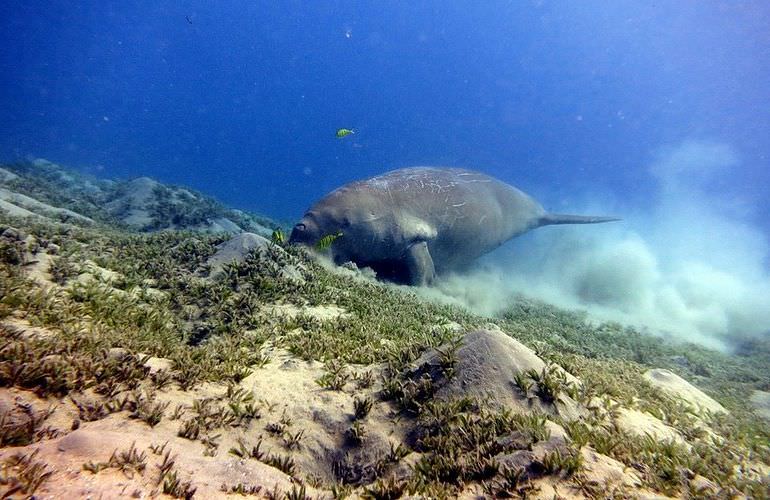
[(657, 112)]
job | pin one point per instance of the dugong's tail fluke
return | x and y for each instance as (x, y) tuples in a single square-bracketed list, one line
[(550, 219)]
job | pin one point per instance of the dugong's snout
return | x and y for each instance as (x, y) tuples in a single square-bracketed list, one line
[(299, 235), (305, 232)]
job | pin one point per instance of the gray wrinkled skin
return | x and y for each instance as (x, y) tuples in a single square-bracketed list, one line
[(413, 223)]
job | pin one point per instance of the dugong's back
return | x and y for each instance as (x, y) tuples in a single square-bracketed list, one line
[(471, 213)]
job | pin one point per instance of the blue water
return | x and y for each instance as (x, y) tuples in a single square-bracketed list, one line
[(658, 112), (241, 99)]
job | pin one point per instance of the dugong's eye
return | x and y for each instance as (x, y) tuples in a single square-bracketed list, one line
[(300, 227)]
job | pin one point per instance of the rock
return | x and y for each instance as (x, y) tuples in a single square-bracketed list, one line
[(51, 359), (17, 418), (514, 441), (118, 353), (148, 205), (154, 365), (606, 470), (486, 364), (292, 273), (235, 249), (238, 248), (12, 253), (35, 207), (13, 234), (260, 225), (132, 205), (7, 175), (222, 225), (15, 210), (351, 269), (53, 249), (678, 387), (517, 459), (155, 294), (448, 327), (404, 468), (558, 433), (704, 486), (557, 441), (90, 271), (641, 424), (359, 464), (760, 400), (680, 360)]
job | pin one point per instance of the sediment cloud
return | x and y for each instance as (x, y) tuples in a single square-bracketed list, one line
[(687, 265)]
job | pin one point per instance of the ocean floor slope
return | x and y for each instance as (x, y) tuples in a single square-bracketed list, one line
[(144, 364)]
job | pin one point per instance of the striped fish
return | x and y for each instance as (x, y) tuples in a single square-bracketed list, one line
[(325, 242)]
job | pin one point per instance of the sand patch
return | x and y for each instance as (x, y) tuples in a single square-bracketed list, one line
[(321, 313)]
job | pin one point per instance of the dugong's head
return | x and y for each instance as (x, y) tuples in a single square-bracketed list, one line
[(328, 216), (348, 210), (308, 230)]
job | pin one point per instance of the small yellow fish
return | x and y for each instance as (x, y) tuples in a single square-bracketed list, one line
[(278, 237), (327, 240), (344, 132)]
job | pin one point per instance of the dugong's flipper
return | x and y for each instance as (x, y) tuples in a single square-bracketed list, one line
[(419, 264)]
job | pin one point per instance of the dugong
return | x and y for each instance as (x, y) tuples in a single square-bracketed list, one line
[(411, 224)]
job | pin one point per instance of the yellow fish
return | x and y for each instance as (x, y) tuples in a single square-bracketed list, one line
[(278, 237), (327, 240), (344, 132)]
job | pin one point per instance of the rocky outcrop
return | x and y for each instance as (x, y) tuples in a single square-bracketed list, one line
[(7, 175), (24, 206), (43, 189), (132, 203), (234, 250), (641, 424), (486, 366), (238, 248), (760, 400), (681, 389)]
